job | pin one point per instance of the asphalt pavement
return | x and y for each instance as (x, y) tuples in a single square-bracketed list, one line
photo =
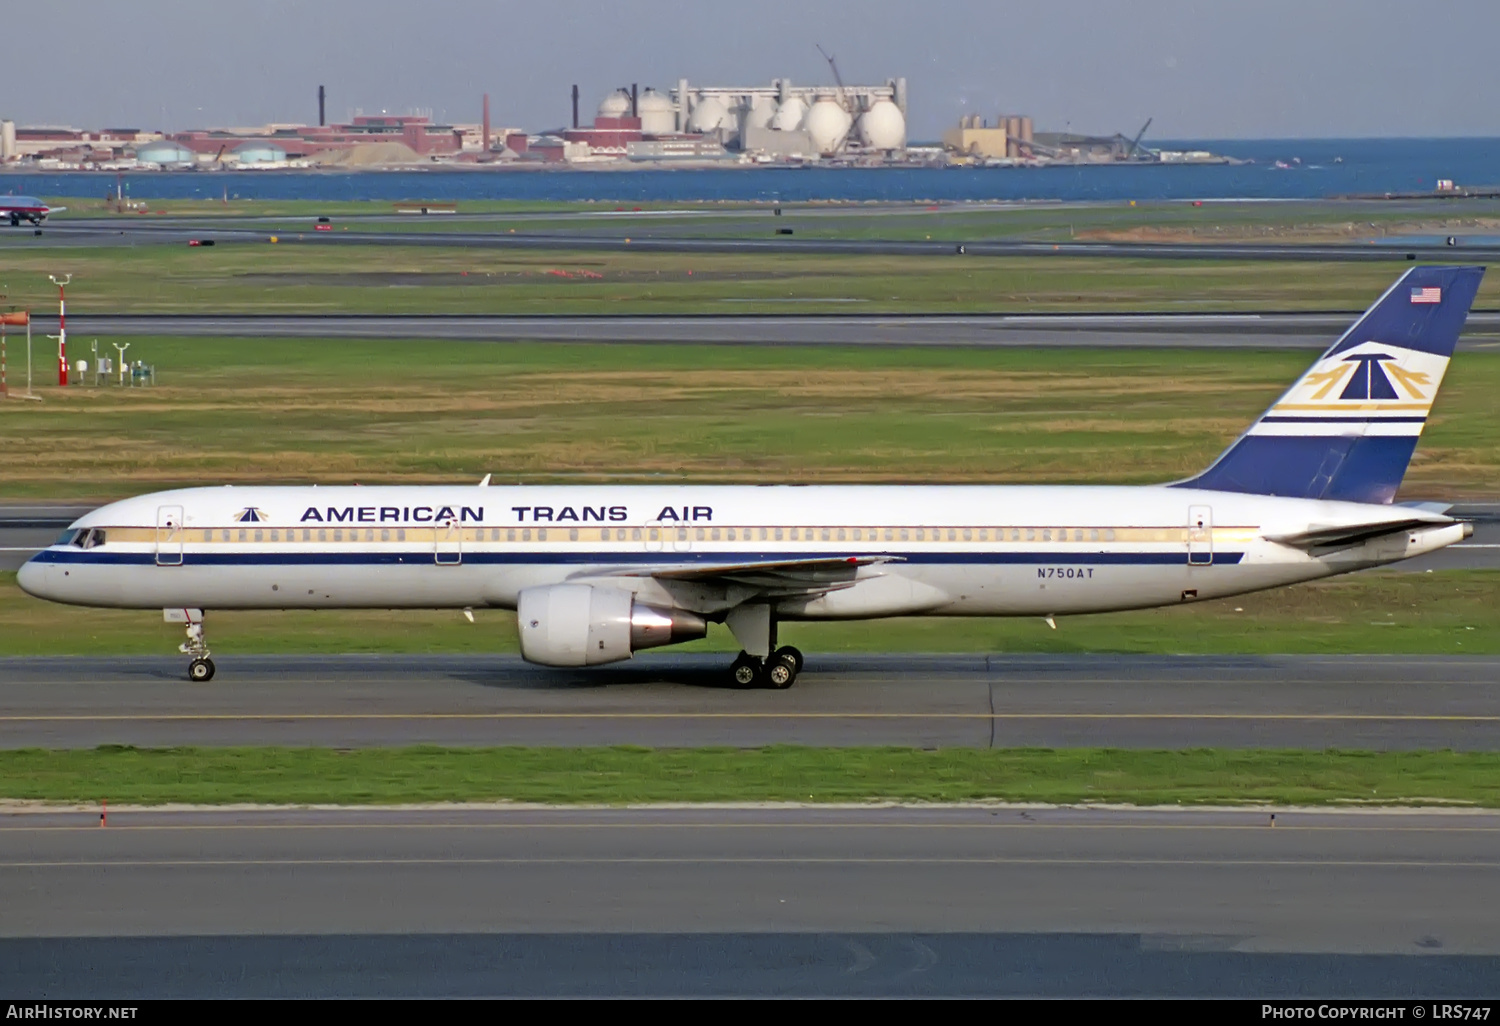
[(671, 699), (738, 902)]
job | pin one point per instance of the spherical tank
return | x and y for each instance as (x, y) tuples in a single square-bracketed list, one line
[(709, 114), (615, 105), (789, 115), (882, 127), (828, 125), (658, 113), (758, 112)]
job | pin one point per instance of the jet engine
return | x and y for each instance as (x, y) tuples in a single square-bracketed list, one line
[(583, 624)]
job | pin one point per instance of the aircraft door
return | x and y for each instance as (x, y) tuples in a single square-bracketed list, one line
[(448, 543), (169, 536), (1200, 536)]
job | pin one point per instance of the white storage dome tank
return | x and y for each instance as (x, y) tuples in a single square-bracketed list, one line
[(164, 151), (615, 105), (658, 113), (758, 112), (828, 125), (789, 115), (883, 127), (709, 114)]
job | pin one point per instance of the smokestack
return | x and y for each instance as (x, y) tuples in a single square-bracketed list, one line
[(634, 112), (321, 97), (486, 146), (575, 106)]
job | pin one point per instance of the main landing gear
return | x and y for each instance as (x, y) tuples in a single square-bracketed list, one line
[(201, 669), (779, 672)]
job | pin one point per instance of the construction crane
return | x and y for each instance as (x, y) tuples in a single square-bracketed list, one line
[(844, 99), (1136, 142)]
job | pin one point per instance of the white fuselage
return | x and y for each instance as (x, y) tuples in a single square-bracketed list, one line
[(949, 550)]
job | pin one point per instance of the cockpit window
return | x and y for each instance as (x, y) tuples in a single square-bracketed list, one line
[(95, 539), (67, 537)]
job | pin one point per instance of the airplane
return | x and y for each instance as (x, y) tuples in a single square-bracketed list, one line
[(27, 208), (597, 573)]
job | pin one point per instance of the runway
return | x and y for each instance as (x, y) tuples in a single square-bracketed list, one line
[(26, 530), (682, 700), (729, 902), (662, 240), (1160, 330)]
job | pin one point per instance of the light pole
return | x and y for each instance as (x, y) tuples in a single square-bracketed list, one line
[(62, 326)]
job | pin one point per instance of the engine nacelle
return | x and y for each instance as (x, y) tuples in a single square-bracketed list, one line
[(584, 624)]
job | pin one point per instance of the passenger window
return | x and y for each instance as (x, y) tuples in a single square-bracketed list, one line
[(1109, 535), (208, 536), (1031, 534), (1078, 534), (730, 533), (682, 534), (1093, 534), (338, 534), (526, 534), (856, 534), (243, 534), (494, 534), (510, 535), (1015, 534), (541, 534), (604, 534), (385, 534), (260, 535), (921, 534), (763, 534), (572, 534), (889, 534), (698, 534), (968, 534), (778, 534), (401, 534), (655, 534), (635, 534), (306, 534), (714, 535), (1047, 534), (224, 535), (904, 534), (322, 534), (841, 534), (275, 535)]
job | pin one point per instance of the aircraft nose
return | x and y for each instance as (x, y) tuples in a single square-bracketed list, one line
[(34, 577)]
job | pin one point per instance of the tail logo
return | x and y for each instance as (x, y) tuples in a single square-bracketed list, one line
[(1366, 376)]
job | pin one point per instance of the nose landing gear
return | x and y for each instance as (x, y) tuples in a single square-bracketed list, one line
[(201, 669)]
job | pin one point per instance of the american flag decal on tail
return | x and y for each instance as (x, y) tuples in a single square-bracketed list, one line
[(1427, 294)]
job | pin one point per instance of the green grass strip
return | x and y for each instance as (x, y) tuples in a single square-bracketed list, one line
[(624, 775)]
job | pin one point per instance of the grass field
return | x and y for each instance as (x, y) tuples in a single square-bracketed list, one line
[(333, 410), (621, 776), (1447, 613), (263, 278)]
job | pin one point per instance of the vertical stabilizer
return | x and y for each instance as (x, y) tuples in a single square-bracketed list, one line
[(1347, 429)]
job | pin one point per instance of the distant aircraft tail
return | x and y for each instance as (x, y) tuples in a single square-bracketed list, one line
[(1347, 429)]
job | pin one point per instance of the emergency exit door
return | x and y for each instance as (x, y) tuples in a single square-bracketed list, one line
[(1200, 536), (169, 536)]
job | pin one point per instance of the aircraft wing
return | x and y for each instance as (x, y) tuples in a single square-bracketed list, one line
[(782, 577), (1350, 534)]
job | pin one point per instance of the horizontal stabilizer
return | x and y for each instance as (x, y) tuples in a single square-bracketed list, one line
[(1351, 534)]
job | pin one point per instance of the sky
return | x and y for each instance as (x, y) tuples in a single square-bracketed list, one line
[(1214, 69)]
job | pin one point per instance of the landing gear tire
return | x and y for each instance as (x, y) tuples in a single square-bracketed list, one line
[(746, 671), (792, 654), (780, 672), (200, 671)]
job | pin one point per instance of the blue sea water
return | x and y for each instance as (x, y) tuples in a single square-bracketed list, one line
[(1314, 168)]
